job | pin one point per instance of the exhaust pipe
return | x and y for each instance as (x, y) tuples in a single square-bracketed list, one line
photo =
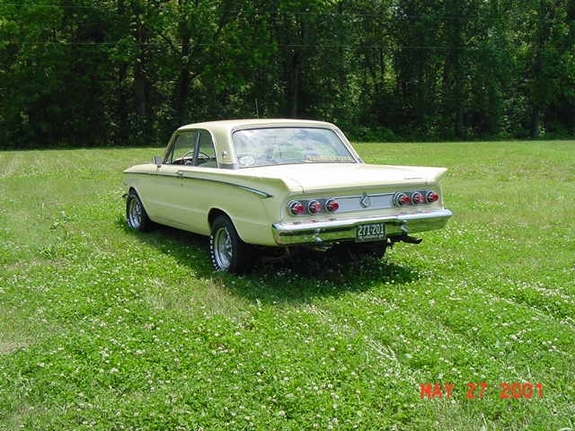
[(405, 238)]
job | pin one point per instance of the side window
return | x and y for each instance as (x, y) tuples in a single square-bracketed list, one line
[(182, 149), (206, 151), (194, 148)]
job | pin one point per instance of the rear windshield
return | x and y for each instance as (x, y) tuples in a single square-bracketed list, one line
[(289, 145)]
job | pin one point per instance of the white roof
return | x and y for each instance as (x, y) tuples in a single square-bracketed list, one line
[(229, 125)]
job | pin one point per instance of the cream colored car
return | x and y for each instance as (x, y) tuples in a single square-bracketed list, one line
[(280, 183)]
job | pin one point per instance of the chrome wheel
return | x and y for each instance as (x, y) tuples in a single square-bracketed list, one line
[(223, 250), (227, 250), (135, 213)]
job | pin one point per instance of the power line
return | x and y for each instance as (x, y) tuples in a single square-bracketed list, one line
[(390, 12), (279, 45)]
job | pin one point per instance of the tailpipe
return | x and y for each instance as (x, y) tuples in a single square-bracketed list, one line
[(410, 239), (406, 238)]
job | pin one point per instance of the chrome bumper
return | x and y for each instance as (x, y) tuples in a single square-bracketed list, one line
[(345, 230)]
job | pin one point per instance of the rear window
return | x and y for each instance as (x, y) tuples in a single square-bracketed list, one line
[(289, 145)]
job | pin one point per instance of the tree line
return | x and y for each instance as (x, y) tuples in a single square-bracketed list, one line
[(127, 72)]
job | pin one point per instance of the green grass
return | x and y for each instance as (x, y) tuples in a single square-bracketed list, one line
[(102, 328)]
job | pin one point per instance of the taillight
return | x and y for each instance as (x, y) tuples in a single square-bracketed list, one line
[(415, 198), (314, 207), (401, 199), (431, 197), (332, 205), (296, 208), (418, 198)]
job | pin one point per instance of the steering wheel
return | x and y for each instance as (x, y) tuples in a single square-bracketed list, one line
[(203, 155), (188, 157)]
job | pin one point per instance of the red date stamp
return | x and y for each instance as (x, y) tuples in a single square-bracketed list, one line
[(479, 390)]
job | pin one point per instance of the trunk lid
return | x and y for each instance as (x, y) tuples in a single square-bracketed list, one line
[(318, 177)]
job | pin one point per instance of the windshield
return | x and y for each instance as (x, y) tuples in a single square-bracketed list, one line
[(289, 145)]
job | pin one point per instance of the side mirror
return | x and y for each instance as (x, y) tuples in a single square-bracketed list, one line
[(157, 160)]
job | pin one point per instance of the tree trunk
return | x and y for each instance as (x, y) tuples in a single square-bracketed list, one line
[(535, 122), (140, 87), (453, 75), (292, 84), (140, 72), (184, 82)]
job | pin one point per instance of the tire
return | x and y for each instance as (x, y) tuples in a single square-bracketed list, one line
[(227, 251), (136, 215)]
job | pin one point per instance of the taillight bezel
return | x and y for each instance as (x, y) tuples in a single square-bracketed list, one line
[(402, 199), (315, 207), (332, 205), (301, 208), (415, 198), (418, 198), (312, 207), (432, 197)]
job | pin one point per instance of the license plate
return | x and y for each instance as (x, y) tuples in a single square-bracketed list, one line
[(370, 232)]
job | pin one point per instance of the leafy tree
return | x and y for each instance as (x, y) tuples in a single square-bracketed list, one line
[(417, 38), (543, 36), (87, 72), (32, 72)]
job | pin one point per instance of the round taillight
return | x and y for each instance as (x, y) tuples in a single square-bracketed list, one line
[(431, 197), (314, 207), (296, 208), (332, 205), (401, 199), (418, 198)]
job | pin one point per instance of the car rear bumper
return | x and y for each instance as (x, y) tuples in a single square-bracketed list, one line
[(346, 230)]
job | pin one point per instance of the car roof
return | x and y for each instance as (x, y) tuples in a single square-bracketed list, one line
[(230, 125)]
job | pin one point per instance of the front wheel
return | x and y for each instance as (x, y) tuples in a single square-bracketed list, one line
[(227, 250), (136, 215)]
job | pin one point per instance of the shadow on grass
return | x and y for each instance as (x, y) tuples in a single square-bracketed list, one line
[(298, 278)]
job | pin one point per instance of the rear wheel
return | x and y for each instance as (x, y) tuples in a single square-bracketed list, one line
[(227, 250), (136, 215)]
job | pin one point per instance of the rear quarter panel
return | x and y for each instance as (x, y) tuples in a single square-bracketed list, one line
[(253, 203)]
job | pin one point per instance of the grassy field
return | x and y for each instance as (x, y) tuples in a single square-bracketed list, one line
[(102, 328)]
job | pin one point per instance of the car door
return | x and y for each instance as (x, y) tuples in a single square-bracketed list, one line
[(165, 187), (184, 191)]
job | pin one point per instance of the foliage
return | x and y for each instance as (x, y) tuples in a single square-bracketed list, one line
[(126, 72), (103, 328)]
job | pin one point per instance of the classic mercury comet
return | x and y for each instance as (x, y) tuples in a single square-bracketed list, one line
[(280, 183)]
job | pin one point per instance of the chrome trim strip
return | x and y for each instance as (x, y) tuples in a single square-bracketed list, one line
[(180, 176), (261, 193), (377, 201)]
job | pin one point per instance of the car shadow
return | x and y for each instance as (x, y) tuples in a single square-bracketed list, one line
[(300, 277)]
